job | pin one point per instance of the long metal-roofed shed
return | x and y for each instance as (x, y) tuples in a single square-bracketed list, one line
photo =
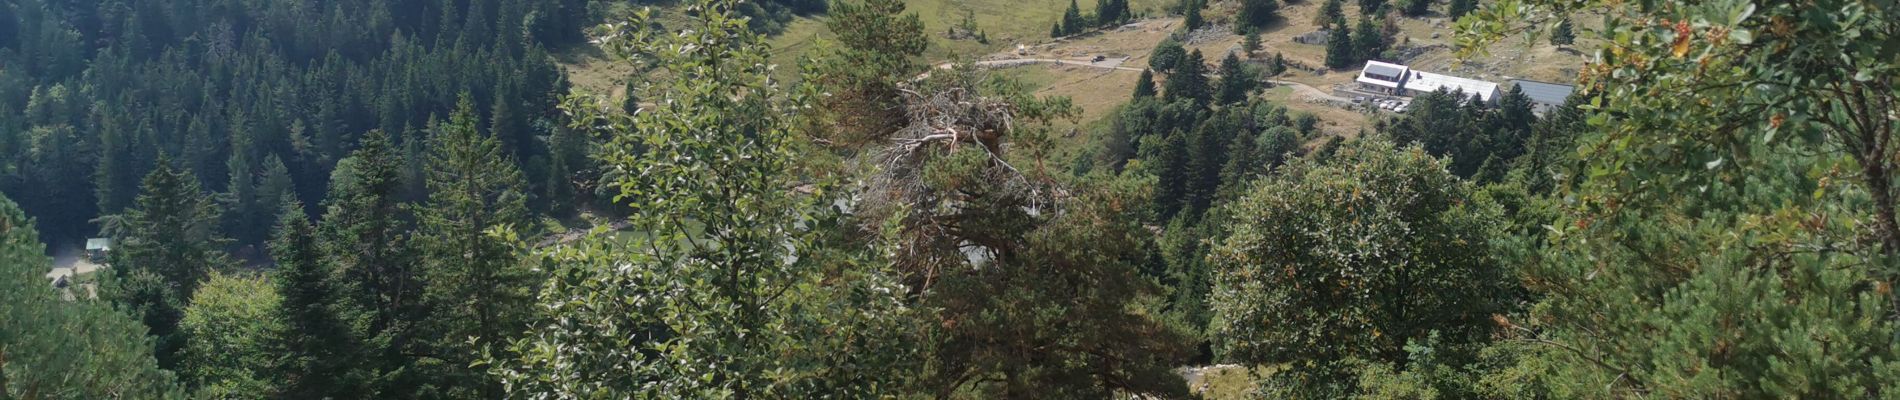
[(1544, 95)]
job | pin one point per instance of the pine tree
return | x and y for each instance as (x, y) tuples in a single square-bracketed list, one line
[(1236, 81), (1562, 34), (882, 46), (1339, 49), (477, 288), (1189, 81), (1145, 84), (1055, 30), (1277, 66), (1417, 8)]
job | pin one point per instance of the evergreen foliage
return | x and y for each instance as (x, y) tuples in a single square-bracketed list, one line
[(1189, 80), (1368, 8), (1145, 84), (1236, 82), (478, 292), (879, 46), (1255, 14), (47, 344), (1331, 15), (1561, 35), (1368, 42), (321, 349), (1459, 8), (1191, 12), (221, 87), (1340, 52), (166, 245), (1111, 13)]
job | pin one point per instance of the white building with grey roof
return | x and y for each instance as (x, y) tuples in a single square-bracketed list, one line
[(1402, 80)]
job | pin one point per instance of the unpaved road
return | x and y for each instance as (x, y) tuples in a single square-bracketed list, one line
[(1114, 64)]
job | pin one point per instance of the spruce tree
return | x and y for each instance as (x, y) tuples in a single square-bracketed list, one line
[(1109, 13), (1416, 8), (1276, 66), (1072, 22), (477, 287), (366, 241), (1145, 84), (1367, 41), (320, 349), (1459, 8), (1255, 14), (1236, 81), (1339, 50), (1193, 19), (167, 245), (275, 189), (1562, 35), (1170, 165), (245, 211), (1331, 15), (1189, 81), (1250, 43), (1371, 7)]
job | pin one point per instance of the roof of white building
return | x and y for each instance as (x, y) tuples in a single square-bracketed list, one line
[(1421, 81), (1545, 92), (1385, 69)]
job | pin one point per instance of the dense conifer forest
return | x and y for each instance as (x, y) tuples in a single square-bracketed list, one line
[(409, 199)]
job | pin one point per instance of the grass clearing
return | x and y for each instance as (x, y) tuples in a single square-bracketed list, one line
[(1223, 382)]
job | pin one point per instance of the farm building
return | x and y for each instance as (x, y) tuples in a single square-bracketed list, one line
[(1401, 80), (1382, 77), (1544, 95)]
